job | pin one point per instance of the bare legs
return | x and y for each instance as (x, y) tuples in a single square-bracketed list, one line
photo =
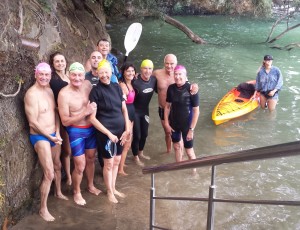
[(66, 155), (126, 148), (271, 103), (90, 155), (167, 137), (110, 172), (179, 155), (79, 163), (46, 154)]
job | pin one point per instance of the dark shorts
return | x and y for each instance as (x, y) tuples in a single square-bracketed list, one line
[(176, 137), (161, 112), (34, 138), (106, 147), (275, 96), (81, 138)]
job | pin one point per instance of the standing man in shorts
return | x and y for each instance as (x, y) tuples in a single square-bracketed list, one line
[(44, 134), (74, 108)]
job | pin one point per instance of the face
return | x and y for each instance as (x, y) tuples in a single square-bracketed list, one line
[(180, 77), (170, 63), (129, 73), (146, 72), (95, 58), (76, 78), (59, 63), (268, 63), (104, 75), (43, 77), (104, 48)]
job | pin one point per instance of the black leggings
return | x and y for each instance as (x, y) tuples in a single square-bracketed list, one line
[(140, 133)]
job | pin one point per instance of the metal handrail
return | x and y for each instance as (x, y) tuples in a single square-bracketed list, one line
[(275, 151)]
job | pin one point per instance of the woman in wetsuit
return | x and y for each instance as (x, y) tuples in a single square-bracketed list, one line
[(112, 124), (60, 79), (144, 87), (128, 73)]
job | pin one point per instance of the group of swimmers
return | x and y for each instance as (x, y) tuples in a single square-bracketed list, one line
[(97, 108)]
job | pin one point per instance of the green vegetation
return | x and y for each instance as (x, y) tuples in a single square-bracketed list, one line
[(263, 8), (45, 4)]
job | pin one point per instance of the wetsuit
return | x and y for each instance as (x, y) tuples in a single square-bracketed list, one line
[(81, 138), (181, 113), (56, 84), (109, 112), (143, 94), (92, 78), (34, 138)]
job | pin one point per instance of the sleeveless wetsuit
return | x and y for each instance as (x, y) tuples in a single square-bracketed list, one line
[(56, 84), (181, 111), (129, 103), (81, 138), (143, 93), (109, 100)]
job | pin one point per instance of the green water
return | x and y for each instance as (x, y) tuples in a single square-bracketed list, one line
[(233, 54)]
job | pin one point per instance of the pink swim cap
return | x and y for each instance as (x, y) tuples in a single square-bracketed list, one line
[(180, 67), (43, 66)]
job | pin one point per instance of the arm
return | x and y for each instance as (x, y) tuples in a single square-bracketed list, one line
[(194, 88), (64, 110), (278, 85), (196, 113), (126, 134), (167, 110), (32, 113)]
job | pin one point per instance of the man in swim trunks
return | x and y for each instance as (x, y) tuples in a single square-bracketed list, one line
[(165, 77), (44, 134), (74, 108), (181, 114)]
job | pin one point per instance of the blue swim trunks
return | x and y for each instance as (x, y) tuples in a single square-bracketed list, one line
[(37, 137), (81, 138)]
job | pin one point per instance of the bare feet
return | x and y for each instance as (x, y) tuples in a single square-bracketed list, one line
[(79, 199), (69, 181), (138, 162), (144, 156), (46, 215), (119, 194), (112, 198), (61, 196), (122, 173), (94, 190)]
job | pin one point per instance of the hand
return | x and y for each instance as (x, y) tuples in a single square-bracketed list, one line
[(90, 108), (57, 139), (190, 135), (113, 138), (126, 136), (194, 88)]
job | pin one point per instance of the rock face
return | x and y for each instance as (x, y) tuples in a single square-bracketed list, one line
[(29, 32)]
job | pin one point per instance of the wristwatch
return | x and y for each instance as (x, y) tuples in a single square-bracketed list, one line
[(192, 129)]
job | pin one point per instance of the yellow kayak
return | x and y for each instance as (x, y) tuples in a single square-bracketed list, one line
[(234, 104)]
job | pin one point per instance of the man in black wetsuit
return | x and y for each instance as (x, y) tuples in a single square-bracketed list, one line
[(182, 109), (144, 87), (92, 75)]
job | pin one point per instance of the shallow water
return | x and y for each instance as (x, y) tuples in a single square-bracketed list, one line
[(232, 55)]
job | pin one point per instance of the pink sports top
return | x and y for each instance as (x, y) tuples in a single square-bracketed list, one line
[(130, 97)]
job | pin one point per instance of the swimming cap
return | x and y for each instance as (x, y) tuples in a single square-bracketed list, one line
[(180, 67), (76, 66), (104, 64), (43, 66), (147, 63)]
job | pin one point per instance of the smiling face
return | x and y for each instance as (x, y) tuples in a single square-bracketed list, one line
[(95, 58), (43, 77), (59, 63), (76, 78), (129, 73), (104, 74), (180, 77), (104, 48), (146, 72), (170, 62)]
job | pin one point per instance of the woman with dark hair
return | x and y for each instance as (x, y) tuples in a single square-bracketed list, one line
[(128, 72), (60, 79)]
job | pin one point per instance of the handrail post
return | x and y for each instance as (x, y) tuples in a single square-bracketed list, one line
[(152, 203), (211, 197)]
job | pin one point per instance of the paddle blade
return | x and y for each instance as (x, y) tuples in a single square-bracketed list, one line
[(132, 36)]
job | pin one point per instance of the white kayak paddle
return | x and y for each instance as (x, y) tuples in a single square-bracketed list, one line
[(132, 37)]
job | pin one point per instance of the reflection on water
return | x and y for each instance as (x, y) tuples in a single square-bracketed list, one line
[(233, 55)]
